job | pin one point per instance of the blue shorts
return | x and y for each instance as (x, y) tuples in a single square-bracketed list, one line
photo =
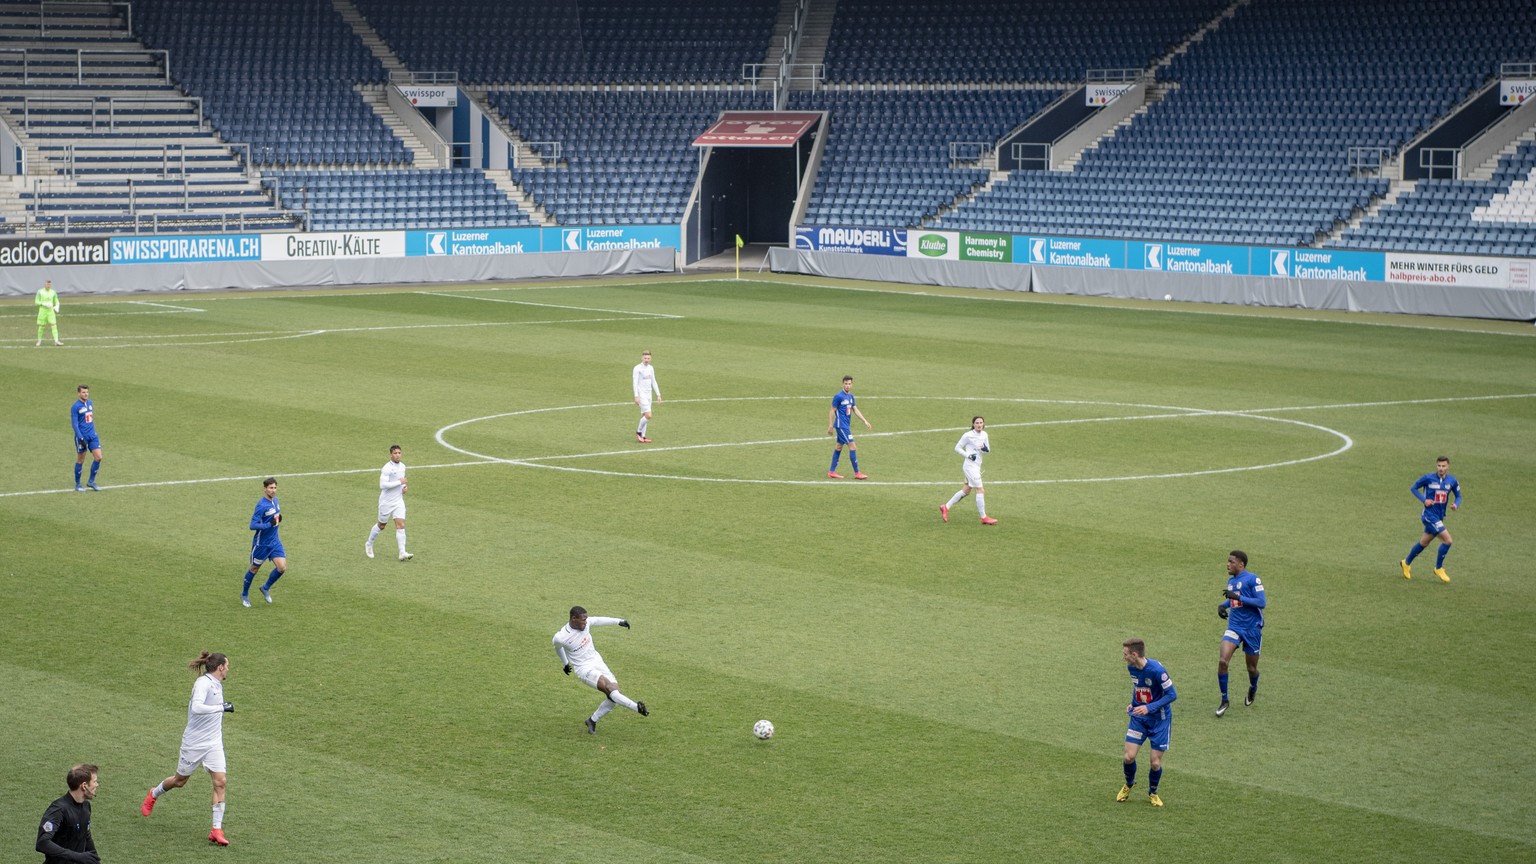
[(260, 554), (844, 436), (1433, 526), (87, 444), (1248, 637), (1143, 730)]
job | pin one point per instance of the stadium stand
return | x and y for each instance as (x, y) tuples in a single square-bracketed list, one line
[(113, 144), (627, 156), (495, 42), (385, 199)]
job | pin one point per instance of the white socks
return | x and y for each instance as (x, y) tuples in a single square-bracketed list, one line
[(981, 504), (955, 499), (218, 815), (373, 534), (621, 699), (602, 710), (158, 790), (399, 539), (644, 422)]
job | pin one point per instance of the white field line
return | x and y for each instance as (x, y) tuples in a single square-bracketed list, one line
[(164, 309), (547, 305), (531, 462)]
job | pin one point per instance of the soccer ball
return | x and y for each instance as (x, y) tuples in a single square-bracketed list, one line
[(762, 729)]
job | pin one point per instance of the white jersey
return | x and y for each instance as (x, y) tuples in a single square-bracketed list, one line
[(575, 646), (645, 381), (973, 443), (390, 481), (205, 715)]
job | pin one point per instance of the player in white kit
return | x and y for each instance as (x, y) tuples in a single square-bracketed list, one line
[(203, 741), (573, 645), (645, 383), (391, 503), (972, 445)]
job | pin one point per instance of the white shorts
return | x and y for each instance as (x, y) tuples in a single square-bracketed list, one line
[(645, 404), (388, 512), (972, 473), (211, 758), (593, 671)]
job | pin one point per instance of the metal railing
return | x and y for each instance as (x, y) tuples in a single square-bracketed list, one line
[(1368, 160), (1520, 69), (966, 154), (1031, 155), (163, 161), (38, 56), (1440, 163), (44, 7), (114, 106), (1122, 75), (409, 78)]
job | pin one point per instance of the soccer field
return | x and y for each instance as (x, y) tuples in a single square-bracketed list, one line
[(942, 692)]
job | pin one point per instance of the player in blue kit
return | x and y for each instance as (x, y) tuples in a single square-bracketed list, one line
[(840, 423), (1435, 491), (1243, 610), (265, 544), (1151, 718), (82, 420)]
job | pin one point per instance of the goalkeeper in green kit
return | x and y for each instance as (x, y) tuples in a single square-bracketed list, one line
[(48, 312)]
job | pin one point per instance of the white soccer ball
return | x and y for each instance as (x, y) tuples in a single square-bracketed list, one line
[(1167, 296), (762, 729)]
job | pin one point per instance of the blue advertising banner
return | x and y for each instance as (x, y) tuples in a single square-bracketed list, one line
[(1202, 258), (179, 249), (1070, 252), (472, 241), (1332, 264), (859, 241), (596, 239)]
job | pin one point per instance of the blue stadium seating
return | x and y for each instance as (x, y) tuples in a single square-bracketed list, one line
[(386, 199)]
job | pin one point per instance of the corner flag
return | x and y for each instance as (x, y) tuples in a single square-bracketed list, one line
[(739, 242)]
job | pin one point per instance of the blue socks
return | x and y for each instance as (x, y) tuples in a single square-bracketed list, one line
[(1223, 681), (77, 473), (1253, 682), (1414, 553), (853, 457), (836, 455), (96, 466), (249, 578), (271, 579), (1130, 773), (1440, 557), (1153, 776)]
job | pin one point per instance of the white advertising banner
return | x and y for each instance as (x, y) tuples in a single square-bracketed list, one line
[(328, 245), (1513, 91), (943, 245), (1103, 94), (435, 96), (1458, 270)]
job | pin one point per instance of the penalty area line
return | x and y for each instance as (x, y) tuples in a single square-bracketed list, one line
[(280, 475)]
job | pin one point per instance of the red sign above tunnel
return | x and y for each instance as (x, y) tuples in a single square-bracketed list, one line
[(758, 129)]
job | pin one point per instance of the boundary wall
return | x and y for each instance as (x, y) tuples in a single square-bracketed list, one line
[(138, 263), (1412, 283)]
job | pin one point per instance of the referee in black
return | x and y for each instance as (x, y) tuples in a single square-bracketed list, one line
[(64, 837)]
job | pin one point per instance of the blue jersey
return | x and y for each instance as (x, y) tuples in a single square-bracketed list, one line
[(842, 410), (82, 418), (1151, 686), (1248, 610), (1436, 492), (262, 524)]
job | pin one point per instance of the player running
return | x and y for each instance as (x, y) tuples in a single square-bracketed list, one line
[(1151, 717), (840, 423), (82, 420), (573, 645), (391, 503), (1435, 491), (971, 445), (265, 544), (203, 741), (1243, 610)]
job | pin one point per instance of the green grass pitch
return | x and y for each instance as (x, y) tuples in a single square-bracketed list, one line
[(942, 692)]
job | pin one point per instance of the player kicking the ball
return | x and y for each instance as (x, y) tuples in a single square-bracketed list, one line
[(573, 645), (391, 503), (972, 445)]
